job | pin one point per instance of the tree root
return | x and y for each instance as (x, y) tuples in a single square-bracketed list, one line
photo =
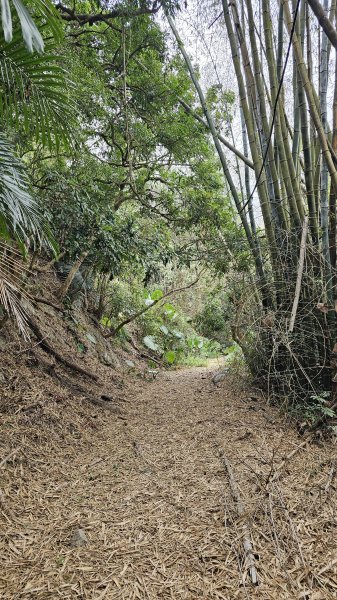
[(79, 390), (50, 350), (40, 300)]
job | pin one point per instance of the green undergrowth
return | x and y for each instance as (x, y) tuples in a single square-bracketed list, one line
[(165, 330)]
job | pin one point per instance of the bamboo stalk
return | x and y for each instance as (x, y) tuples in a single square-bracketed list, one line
[(324, 21), (257, 259), (333, 192), (276, 195), (310, 96), (281, 134), (257, 160), (299, 275), (324, 205)]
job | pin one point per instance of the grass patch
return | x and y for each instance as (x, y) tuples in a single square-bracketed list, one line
[(193, 361)]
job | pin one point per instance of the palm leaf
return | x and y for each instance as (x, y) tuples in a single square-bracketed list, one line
[(32, 37), (33, 93), (19, 218), (12, 272), (19, 213)]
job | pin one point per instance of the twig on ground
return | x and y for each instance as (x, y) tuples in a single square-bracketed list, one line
[(30, 348), (145, 355), (286, 460), (40, 300), (247, 543), (330, 478), (8, 457)]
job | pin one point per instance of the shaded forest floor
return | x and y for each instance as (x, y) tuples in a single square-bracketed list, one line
[(147, 485)]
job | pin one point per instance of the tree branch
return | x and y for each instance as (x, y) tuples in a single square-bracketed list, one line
[(68, 14)]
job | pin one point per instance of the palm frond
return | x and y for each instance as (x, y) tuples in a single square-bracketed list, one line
[(31, 35), (33, 93), (19, 213), (12, 273)]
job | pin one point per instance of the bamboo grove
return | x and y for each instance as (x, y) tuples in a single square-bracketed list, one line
[(289, 137)]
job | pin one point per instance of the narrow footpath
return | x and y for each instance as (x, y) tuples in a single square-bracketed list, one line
[(150, 493)]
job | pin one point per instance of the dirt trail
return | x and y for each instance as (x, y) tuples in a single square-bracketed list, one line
[(154, 500)]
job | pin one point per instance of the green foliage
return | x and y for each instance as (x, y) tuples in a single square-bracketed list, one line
[(34, 93), (25, 82), (135, 185), (124, 299), (19, 214), (164, 329), (140, 189), (235, 358), (29, 31), (170, 356), (318, 407), (150, 343), (219, 102), (213, 320), (169, 311), (191, 360), (157, 295), (173, 337)]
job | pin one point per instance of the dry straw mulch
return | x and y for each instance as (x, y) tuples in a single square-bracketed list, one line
[(150, 490)]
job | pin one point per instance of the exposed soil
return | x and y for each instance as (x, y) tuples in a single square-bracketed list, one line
[(148, 485)]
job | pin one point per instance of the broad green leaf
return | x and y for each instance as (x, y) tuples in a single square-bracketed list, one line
[(106, 321), (150, 343), (156, 295), (170, 357), (178, 334), (170, 311)]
